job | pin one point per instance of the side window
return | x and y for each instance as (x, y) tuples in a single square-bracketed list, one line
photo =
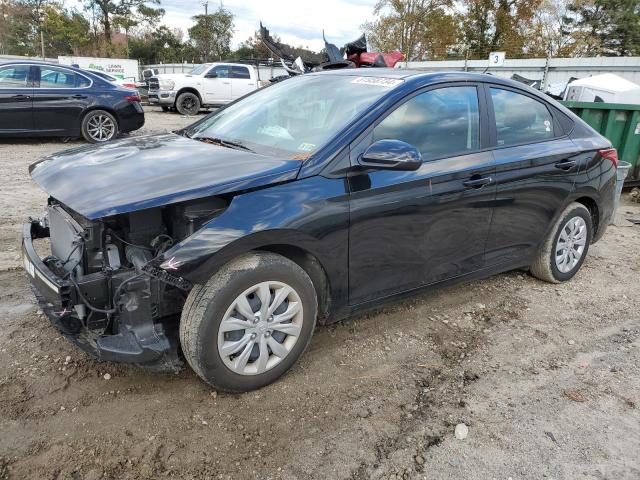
[(240, 72), (520, 119), (222, 71), (52, 77), (14, 76), (440, 123)]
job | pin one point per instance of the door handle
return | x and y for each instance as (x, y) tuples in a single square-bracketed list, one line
[(227, 83), (21, 97), (566, 164), (477, 182), (79, 96)]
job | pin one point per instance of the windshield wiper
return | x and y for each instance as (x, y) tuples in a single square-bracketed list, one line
[(223, 143)]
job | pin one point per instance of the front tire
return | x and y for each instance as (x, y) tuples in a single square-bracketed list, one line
[(164, 108), (564, 249), (99, 126), (249, 323), (188, 103)]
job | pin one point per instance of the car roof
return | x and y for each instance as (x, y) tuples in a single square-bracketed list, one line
[(424, 78)]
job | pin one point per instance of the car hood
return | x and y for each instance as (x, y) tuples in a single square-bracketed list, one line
[(144, 172)]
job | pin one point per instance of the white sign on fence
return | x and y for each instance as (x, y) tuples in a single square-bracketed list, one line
[(121, 68), (496, 59)]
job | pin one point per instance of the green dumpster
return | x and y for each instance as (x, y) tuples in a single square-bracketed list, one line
[(620, 123)]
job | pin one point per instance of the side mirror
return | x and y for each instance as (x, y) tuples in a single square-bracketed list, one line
[(391, 155), (211, 75)]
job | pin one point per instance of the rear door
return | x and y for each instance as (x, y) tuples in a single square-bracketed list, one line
[(241, 81), (410, 229), (217, 89), (536, 167), (60, 98), (16, 99)]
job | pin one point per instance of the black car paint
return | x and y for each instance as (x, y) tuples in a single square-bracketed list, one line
[(36, 111), (389, 247), (145, 172), (365, 235)]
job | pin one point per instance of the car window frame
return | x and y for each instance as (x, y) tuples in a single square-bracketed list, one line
[(30, 76), (559, 131), (365, 139), (38, 75)]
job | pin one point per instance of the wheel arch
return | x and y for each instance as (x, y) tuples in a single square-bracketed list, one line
[(594, 210), (199, 260), (312, 266), (188, 90)]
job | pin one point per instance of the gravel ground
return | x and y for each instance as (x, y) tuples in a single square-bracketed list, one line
[(545, 377)]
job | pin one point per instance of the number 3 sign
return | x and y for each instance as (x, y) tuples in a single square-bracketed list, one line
[(496, 59)]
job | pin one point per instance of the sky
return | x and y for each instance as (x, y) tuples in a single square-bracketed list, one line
[(298, 23)]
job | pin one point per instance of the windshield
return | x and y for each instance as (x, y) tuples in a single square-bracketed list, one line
[(198, 69), (295, 117)]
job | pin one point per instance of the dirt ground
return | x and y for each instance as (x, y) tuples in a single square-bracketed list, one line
[(546, 377)]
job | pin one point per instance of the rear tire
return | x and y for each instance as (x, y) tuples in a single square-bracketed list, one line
[(563, 251), (99, 126), (226, 336), (188, 103)]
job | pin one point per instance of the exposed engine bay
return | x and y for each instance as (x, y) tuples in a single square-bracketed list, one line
[(118, 305), (352, 55)]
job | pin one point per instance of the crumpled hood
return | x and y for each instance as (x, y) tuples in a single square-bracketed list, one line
[(144, 172)]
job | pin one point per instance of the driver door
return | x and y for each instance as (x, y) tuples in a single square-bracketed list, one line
[(217, 85), (413, 228)]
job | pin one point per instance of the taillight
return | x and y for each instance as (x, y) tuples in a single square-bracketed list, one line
[(610, 154), (129, 85), (132, 98)]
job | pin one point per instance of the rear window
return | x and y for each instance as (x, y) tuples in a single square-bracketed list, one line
[(520, 119), (240, 72)]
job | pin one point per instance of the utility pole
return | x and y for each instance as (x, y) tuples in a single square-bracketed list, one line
[(206, 22), (41, 18)]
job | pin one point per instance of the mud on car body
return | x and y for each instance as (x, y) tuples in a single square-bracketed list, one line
[(309, 200)]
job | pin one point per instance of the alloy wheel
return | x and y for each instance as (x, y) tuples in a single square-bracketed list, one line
[(101, 128), (260, 328), (571, 244)]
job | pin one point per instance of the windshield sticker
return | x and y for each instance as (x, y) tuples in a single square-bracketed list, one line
[(301, 156), (547, 125), (275, 131), (307, 147), (381, 82)]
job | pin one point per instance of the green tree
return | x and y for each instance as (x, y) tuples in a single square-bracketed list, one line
[(162, 46), (111, 12), (605, 27), (420, 29), (65, 31), (498, 25), (24, 25), (211, 35)]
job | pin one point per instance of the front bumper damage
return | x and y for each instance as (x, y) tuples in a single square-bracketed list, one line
[(136, 337)]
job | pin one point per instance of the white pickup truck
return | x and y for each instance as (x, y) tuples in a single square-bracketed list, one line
[(207, 85)]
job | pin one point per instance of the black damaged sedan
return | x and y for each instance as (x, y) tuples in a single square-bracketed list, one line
[(225, 243), (39, 99)]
